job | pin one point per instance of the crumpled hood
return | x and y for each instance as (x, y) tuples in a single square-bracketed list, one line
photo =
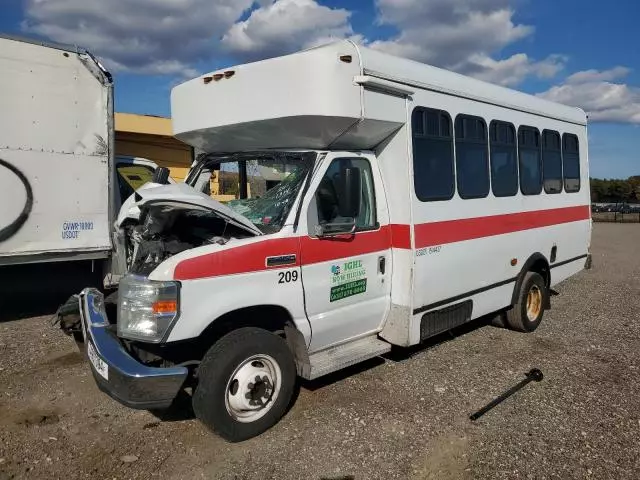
[(180, 196)]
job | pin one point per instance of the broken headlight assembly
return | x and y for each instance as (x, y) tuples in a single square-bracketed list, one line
[(146, 308)]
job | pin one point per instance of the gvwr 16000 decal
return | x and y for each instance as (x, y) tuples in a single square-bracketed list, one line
[(71, 230), (347, 280), (10, 230)]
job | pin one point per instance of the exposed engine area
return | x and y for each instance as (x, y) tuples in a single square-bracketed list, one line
[(164, 231)]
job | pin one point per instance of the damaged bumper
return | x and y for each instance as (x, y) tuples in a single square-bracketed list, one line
[(116, 372)]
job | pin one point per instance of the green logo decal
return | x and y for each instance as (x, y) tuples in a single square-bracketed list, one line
[(347, 279), (348, 290)]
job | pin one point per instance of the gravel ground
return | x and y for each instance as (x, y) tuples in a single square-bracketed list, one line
[(404, 417)]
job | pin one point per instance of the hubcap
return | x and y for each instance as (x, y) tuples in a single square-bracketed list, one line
[(534, 303), (253, 388)]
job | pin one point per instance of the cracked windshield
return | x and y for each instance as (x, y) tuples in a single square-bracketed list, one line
[(272, 185)]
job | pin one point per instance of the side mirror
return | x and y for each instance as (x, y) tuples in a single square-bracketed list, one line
[(350, 194), (161, 176), (335, 229)]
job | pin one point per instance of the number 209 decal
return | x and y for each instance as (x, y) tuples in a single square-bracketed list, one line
[(288, 276)]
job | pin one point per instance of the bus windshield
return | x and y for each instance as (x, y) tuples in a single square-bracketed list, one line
[(273, 181)]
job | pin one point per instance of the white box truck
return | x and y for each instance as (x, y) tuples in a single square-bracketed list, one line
[(60, 184), (417, 200)]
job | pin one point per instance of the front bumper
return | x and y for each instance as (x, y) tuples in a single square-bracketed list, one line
[(115, 371)]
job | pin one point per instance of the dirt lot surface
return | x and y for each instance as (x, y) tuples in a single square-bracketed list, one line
[(404, 417)]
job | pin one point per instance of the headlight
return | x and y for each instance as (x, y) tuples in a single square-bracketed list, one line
[(146, 308)]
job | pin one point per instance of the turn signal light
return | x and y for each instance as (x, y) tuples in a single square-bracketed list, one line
[(165, 306)]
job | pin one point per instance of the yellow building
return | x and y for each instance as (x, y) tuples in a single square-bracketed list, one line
[(151, 137)]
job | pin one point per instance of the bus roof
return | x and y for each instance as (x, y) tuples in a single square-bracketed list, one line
[(326, 97), (423, 76)]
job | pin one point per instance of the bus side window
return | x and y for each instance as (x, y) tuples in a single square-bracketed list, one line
[(571, 162), (433, 170), (504, 159), (472, 157), (551, 162), (530, 162)]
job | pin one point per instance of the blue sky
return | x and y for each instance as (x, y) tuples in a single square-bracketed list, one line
[(579, 52)]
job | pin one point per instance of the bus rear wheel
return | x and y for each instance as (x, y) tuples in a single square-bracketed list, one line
[(527, 313)]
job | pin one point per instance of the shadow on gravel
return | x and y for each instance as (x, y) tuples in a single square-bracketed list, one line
[(182, 409), (179, 411), (26, 305), (39, 289), (340, 375), (397, 354)]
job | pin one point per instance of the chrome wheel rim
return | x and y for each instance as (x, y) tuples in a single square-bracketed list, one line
[(253, 388), (534, 303)]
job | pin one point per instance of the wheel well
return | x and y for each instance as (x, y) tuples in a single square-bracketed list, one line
[(542, 267), (268, 317), (272, 318), (536, 263)]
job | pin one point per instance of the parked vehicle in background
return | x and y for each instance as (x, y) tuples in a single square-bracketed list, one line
[(381, 234), (617, 212), (60, 185)]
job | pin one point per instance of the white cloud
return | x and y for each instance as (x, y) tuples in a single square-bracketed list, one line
[(285, 26), (603, 100), (513, 70), (596, 76), (462, 35), (447, 32), (170, 36), (144, 36)]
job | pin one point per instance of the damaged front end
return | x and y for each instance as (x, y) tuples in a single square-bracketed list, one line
[(170, 219), (165, 231), (156, 223), (116, 370), (125, 334)]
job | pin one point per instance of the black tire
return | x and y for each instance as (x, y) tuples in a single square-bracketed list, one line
[(517, 317), (216, 370)]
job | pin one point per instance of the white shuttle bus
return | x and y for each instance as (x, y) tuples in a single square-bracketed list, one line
[(411, 200)]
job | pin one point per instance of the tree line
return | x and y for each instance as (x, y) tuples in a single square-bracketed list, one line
[(615, 191)]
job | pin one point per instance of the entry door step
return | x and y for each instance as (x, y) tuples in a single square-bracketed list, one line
[(345, 355)]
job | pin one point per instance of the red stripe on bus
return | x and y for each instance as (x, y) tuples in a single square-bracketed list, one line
[(316, 250), (252, 257), (451, 231), (242, 259), (400, 236)]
